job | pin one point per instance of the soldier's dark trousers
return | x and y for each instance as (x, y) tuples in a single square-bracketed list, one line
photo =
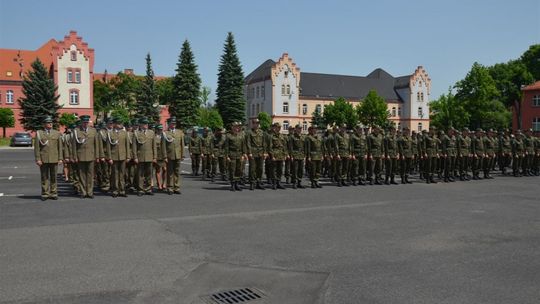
[(145, 177), (218, 163), (527, 163), (391, 167), (516, 164), (287, 171), (206, 164), (487, 165), (173, 175), (477, 165), (195, 163), (342, 168), (405, 166), (449, 166), (118, 172), (358, 168), (255, 168), (464, 165), (75, 179), (235, 169), (86, 177), (276, 171), (297, 171), (49, 186), (536, 165), (430, 166), (315, 167), (375, 168), (105, 184)]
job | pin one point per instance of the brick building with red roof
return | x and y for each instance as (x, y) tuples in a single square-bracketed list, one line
[(530, 108)]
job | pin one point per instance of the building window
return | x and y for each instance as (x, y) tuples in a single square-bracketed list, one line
[(399, 126), (420, 84), (418, 96), (420, 112), (252, 109), (399, 111), (252, 92), (10, 97), (318, 109), (258, 91), (73, 55), (285, 125), (288, 90), (286, 108), (258, 108), (69, 75), (304, 126), (393, 111), (536, 101), (422, 96), (304, 109), (78, 76), (286, 74), (74, 97), (262, 91), (282, 89), (536, 124), (419, 127)]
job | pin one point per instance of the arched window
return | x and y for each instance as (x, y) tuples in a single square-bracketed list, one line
[(73, 97), (420, 84), (318, 108), (78, 75), (73, 55), (288, 90), (69, 75), (10, 97), (285, 108), (393, 111), (304, 126), (419, 127), (285, 125), (304, 109), (418, 96), (420, 112), (282, 89), (422, 96)]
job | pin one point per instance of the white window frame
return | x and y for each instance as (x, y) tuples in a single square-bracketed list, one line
[(286, 125), (288, 89), (285, 108), (77, 76), (10, 97), (304, 126), (304, 109), (536, 124), (399, 111), (70, 76), (283, 89), (536, 101), (393, 111), (420, 112), (420, 126), (72, 94)]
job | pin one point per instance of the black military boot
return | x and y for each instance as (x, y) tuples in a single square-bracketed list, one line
[(317, 184), (344, 183), (251, 186), (237, 187), (403, 180), (259, 186), (286, 180), (386, 181), (301, 186), (313, 185), (294, 186), (274, 185), (361, 182), (432, 180), (392, 181), (279, 186), (354, 183), (233, 188), (407, 179)]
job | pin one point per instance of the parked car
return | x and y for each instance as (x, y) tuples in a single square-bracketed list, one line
[(21, 139)]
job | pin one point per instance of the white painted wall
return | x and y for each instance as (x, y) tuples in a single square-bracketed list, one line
[(63, 86), (278, 99)]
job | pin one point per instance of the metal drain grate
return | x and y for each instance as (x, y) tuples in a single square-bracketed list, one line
[(242, 295)]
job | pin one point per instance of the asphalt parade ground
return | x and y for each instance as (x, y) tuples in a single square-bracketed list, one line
[(464, 242)]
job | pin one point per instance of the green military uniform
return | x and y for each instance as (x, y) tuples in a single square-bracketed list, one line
[(536, 164), (528, 160), (464, 154), (256, 150), (449, 151), (430, 156), (478, 152), (297, 154), (490, 146), (277, 151), (406, 150), (218, 146), (206, 153), (359, 156), (86, 149), (518, 153), (391, 154), (131, 168), (104, 171), (195, 148), (173, 153), (342, 152), (375, 154), (505, 152), (145, 151), (315, 153), (118, 151), (235, 150), (48, 152), (287, 161)]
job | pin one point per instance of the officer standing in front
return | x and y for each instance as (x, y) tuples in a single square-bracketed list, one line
[(48, 153), (173, 153)]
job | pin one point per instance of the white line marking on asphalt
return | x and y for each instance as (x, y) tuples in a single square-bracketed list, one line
[(5, 195), (10, 177)]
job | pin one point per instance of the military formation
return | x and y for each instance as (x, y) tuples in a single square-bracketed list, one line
[(119, 158)]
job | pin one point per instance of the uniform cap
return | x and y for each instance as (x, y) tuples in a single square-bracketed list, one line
[(48, 119), (85, 118)]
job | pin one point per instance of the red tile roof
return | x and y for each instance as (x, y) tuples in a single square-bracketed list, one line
[(17, 61), (534, 86)]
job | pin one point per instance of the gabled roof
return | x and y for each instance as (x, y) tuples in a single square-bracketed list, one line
[(16, 61), (261, 72), (352, 87), (531, 87)]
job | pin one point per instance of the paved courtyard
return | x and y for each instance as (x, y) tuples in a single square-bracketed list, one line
[(464, 242)]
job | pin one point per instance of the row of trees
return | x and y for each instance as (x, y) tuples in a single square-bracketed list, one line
[(372, 111), (487, 95)]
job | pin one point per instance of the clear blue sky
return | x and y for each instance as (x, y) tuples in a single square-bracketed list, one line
[(338, 37)]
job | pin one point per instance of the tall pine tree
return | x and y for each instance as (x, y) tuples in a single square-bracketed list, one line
[(187, 85), (40, 99), (230, 98), (148, 105)]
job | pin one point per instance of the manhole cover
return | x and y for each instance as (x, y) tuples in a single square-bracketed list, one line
[(242, 295)]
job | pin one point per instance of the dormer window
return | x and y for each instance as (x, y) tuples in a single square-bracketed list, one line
[(73, 55), (286, 74)]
